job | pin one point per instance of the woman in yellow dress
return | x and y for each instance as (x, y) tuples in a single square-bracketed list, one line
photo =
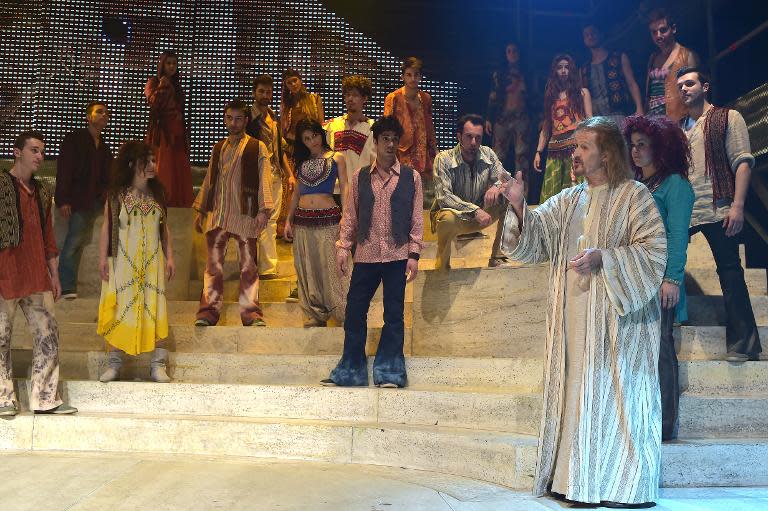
[(135, 258)]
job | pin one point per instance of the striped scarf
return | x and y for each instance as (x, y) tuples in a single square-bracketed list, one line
[(718, 168)]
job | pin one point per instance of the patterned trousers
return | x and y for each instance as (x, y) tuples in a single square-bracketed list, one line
[(212, 297), (38, 309)]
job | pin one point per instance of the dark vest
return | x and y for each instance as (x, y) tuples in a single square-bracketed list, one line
[(618, 92), (249, 185), (401, 203), (11, 222)]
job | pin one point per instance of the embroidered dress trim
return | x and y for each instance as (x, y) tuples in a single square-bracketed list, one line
[(144, 205), (317, 217)]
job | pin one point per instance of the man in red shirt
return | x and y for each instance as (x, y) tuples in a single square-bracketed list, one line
[(29, 277), (383, 217)]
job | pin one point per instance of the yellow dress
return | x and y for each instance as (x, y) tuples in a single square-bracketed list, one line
[(132, 309)]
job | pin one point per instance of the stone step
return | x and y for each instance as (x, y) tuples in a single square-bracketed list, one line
[(705, 342), (502, 458), (709, 310), (456, 408), (706, 416), (724, 461), (222, 339), (693, 342), (721, 378), (704, 281), (480, 374), (701, 416), (274, 290), (276, 314)]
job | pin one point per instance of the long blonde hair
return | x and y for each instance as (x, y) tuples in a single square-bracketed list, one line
[(610, 141)]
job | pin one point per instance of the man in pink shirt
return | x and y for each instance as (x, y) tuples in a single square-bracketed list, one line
[(384, 220)]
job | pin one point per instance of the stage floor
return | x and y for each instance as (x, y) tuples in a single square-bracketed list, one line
[(86, 481)]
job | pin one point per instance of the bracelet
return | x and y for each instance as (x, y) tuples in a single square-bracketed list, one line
[(413, 255), (672, 281)]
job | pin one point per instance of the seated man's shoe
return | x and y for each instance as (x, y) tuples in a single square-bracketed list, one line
[(69, 295), (733, 356), (471, 236), (62, 409), (204, 322), (498, 262), (620, 505), (8, 411)]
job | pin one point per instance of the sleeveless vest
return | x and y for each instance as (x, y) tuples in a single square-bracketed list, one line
[(401, 203)]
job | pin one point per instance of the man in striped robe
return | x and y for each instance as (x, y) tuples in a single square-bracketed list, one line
[(600, 439)]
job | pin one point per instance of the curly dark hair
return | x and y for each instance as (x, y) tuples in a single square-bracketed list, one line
[(386, 123), (671, 152), (572, 89), (131, 154), (361, 83), (301, 151)]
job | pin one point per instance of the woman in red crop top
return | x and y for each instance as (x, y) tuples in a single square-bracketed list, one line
[(313, 225)]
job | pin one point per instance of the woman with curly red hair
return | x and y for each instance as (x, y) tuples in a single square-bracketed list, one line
[(660, 157)]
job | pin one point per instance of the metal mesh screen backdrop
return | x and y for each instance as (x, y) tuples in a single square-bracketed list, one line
[(57, 55)]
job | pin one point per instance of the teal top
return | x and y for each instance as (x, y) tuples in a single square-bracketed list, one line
[(674, 198)]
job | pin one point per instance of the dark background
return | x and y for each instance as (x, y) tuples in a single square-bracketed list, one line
[(464, 40)]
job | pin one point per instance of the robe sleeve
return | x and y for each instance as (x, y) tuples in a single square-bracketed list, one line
[(535, 240), (632, 274)]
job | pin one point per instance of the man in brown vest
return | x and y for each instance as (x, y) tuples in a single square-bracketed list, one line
[(29, 277), (721, 168), (662, 96), (237, 201)]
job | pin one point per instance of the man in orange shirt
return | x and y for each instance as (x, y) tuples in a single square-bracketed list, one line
[(29, 277)]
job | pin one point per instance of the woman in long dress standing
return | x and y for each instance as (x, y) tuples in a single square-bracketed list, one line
[(167, 133), (135, 259)]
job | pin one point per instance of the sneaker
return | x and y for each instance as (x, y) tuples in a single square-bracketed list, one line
[(256, 322), (733, 356), (294, 296), (62, 409), (68, 295), (203, 322), (7, 411), (327, 382)]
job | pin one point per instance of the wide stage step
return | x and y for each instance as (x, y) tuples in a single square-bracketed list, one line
[(184, 312), (494, 374), (450, 407), (502, 458)]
